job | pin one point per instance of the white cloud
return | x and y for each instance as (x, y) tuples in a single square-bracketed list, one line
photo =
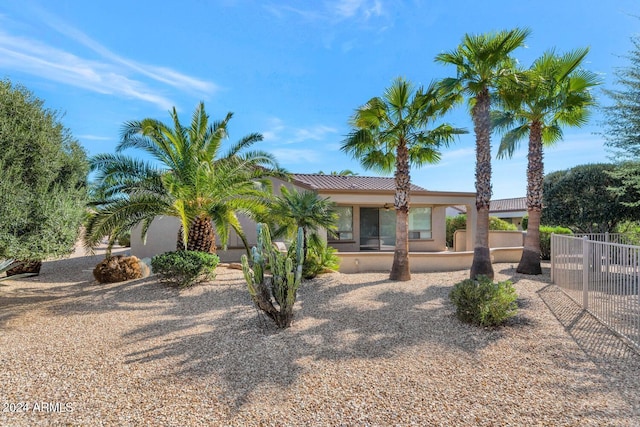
[(95, 137), (334, 10), (110, 74), (274, 128), (353, 8), (296, 156), (278, 131), (315, 133)]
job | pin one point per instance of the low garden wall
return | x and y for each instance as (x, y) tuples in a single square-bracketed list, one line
[(359, 262)]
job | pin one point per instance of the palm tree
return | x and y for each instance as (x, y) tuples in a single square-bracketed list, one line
[(193, 181), (391, 133), (481, 61), (294, 209), (343, 172), (553, 93)]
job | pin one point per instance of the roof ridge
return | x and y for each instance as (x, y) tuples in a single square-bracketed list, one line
[(343, 176)]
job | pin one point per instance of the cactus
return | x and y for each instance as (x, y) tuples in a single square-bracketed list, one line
[(275, 294)]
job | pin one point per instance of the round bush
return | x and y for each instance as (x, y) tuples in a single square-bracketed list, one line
[(483, 302), (185, 268)]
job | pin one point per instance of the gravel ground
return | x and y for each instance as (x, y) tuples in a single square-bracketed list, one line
[(363, 351)]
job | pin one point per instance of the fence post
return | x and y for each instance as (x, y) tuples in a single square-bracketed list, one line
[(607, 253), (553, 257), (586, 256)]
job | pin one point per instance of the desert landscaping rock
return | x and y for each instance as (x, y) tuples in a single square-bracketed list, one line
[(362, 351)]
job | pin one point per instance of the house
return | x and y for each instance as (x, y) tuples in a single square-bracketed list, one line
[(365, 238), (511, 210)]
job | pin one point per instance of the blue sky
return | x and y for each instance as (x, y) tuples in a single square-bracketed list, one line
[(292, 70)]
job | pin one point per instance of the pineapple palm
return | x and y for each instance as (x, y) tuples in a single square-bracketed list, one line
[(194, 182)]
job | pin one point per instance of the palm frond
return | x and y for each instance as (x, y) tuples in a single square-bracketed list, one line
[(511, 139)]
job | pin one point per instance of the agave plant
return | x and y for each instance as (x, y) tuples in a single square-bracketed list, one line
[(8, 264)]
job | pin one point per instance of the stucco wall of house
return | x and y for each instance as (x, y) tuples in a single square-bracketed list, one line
[(161, 237), (163, 231), (497, 239), (163, 234)]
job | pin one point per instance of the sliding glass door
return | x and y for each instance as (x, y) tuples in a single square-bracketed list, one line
[(377, 229)]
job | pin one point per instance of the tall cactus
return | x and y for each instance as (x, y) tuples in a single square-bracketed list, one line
[(275, 294)]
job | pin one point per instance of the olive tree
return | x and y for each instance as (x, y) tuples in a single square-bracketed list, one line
[(43, 186)]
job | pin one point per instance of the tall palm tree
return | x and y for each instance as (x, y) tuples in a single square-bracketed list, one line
[(553, 93), (391, 133), (295, 209), (190, 179), (481, 61)]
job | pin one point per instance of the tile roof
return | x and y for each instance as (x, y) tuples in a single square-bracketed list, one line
[(348, 182), (508, 205)]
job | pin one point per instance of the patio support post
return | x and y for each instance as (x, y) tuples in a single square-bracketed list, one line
[(472, 219)]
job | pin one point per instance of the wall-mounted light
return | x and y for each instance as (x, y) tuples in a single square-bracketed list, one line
[(386, 206)]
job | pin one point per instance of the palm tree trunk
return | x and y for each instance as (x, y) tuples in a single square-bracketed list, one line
[(530, 260), (481, 264), (400, 268), (201, 236), (304, 244)]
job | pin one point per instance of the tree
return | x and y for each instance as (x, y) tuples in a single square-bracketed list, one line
[(343, 172), (579, 199), (537, 103), (194, 181), (306, 210), (391, 133), (43, 172), (622, 123), (481, 61)]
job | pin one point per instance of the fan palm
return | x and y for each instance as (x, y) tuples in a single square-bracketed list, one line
[(302, 209), (390, 133), (553, 93), (481, 61), (193, 181)]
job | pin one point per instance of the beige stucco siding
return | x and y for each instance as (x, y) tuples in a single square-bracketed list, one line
[(163, 231)]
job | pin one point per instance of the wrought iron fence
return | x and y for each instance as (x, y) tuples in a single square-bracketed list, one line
[(601, 274)]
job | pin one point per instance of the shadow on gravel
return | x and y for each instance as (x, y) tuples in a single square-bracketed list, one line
[(618, 361), (215, 330)]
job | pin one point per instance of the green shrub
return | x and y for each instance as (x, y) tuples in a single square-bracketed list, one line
[(545, 239), (320, 259), (525, 222), (454, 223), (185, 268), (124, 239), (43, 179), (483, 302), (496, 223)]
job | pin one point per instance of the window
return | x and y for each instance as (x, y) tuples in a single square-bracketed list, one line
[(419, 223), (344, 224)]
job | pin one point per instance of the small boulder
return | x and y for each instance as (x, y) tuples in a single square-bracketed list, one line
[(120, 268)]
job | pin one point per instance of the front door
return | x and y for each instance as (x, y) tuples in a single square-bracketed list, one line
[(377, 229)]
